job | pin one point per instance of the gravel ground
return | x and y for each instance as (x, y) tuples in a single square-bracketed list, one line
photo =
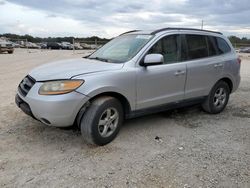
[(179, 148)]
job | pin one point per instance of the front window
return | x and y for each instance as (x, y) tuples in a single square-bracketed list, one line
[(121, 49), (168, 48)]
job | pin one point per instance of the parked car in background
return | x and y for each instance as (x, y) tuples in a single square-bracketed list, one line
[(67, 46), (78, 46), (89, 46), (15, 45), (237, 50), (54, 45), (244, 50), (6, 46), (21, 44), (31, 45), (137, 73), (42, 45)]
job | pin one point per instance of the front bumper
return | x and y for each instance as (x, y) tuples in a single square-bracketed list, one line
[(6, 49), (23, 105), (55, 110)]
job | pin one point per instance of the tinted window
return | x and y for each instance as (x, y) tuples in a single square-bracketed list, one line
[(222, 46), (168, 47), (211, 46), (196, 46)]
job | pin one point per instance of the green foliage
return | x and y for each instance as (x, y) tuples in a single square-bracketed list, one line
[(51, 39), (237, 40), (233, 39)]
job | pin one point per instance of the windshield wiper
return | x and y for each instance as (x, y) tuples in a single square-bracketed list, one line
[(99, 58)]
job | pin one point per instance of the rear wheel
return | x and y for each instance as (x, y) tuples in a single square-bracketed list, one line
[(101, 122), (217, 99)]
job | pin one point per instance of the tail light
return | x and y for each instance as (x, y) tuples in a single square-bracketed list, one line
[(239, 60)]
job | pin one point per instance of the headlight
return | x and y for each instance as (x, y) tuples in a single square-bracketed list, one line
[(59, 87)]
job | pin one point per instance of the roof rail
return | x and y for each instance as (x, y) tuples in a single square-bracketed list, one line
[(129, 32), (172, 28)]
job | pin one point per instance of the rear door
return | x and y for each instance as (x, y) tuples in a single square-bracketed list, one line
[(204, 65), (161, 84)]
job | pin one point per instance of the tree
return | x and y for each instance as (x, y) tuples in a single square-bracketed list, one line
[(51, 39)]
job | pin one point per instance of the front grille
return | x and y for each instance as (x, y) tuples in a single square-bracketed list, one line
[(25, 85)]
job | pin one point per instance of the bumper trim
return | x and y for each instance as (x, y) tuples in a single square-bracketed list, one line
[(24, 106)]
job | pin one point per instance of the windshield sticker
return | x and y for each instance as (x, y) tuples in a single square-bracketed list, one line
[(143, 37)]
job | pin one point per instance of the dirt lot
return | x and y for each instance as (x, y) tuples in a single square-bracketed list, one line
[(194, 149)]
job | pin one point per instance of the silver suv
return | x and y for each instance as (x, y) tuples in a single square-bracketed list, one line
[(137, 73)]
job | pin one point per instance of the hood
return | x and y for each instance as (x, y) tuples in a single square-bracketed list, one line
[(69, 68)]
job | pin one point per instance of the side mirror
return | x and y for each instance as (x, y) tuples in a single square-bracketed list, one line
[(153, 59)]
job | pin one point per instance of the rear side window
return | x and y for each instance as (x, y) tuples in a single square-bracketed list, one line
[(222, 45), (211, 46), (196, 46)]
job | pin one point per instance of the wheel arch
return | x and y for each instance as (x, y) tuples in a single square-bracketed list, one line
[(124, 101), (228, 81)]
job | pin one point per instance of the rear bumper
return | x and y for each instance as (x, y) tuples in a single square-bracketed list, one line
[(236, 84)]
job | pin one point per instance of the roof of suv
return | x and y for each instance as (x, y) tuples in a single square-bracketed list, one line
[(153, 32)]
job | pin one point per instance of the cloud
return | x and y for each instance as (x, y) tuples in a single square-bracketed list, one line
[(51, 15), (109, 18), (2, 2)]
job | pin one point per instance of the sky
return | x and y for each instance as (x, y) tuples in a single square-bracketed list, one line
[(109, 18)]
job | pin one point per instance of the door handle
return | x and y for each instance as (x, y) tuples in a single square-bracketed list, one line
[(179, 72), (218, 65)]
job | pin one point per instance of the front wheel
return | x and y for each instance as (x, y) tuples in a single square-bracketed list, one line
[(101, 122), (217, 99)]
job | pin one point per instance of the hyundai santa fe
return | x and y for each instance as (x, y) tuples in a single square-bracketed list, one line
[(137, 73)]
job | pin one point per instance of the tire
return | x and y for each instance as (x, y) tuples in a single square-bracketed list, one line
[(217, 98), (10, 52), (101, 122)]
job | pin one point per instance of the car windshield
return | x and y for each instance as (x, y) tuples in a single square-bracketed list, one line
[(121, 49)]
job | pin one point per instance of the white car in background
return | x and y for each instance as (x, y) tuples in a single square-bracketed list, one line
[(67, 45), (6, 46)]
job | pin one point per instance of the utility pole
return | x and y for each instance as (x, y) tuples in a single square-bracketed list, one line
[(73, 45), (26, 43), (201, 24)]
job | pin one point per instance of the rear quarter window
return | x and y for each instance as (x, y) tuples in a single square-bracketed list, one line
[(222, 45)]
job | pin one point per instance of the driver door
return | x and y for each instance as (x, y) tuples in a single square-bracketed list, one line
[(164, 83)]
